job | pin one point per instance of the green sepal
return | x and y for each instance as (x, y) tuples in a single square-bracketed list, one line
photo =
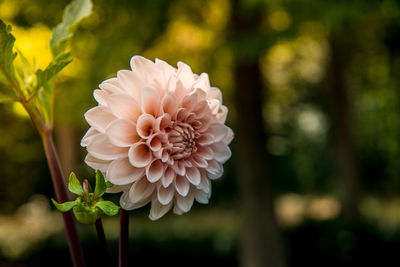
[(64, 207), (86, 214), (74, 185), (108, 207), (109, 184), (101, 186)]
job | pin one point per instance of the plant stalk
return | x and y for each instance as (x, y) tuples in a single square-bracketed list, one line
[(61, 193), (103, 241), (123, 238)]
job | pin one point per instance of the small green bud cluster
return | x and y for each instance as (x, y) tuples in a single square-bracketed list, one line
[(88, 207)]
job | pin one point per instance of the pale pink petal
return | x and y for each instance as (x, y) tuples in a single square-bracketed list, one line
[(204, 183), (140, 155), (215, 93), (124, 107), (154, 142), (140, 190), (101, 148), (150, 101), (205, 152), (218, 131), (169, 104), (118, 188), (201, 93), (199, 161), (145, 125), (154, 171), (121, 172), (131, 82), (111, 86), (101, 96), (122, 133), (179, 168), (221, 114), (143, 66), (168, 178), (185, 203), (201, 109), (182, 185), (127, 204), (215, 169), (201, 197), (205, 139), (96, 163), (165, 195), (89, 136), (229, 136), (180, 115), (205, 123), (158, 210), (177, 210), (180, 90), (189, 102), (221, 152), (185, 74), (167, 69), (163, 122), (99, 117), (193, 175)]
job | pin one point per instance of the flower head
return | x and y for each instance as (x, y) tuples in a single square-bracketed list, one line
[(158, 135)]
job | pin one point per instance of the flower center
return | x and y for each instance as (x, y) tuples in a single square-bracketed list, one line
[(181, 137)]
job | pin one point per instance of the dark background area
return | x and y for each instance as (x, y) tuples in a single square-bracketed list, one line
[(313, 92)]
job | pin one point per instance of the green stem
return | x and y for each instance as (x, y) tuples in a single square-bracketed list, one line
[(61, 193)]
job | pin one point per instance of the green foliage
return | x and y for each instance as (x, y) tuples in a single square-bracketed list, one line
[(101, 186), (74, 185), (7, 56), (73, 13), (108, 207), (64, 207), (88, 207), (86, 214)]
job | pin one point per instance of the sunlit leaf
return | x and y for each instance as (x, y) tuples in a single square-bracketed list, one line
[(101, 186), (63, 207), (7, 56), (108, 207), (74, 185), (73, 13)]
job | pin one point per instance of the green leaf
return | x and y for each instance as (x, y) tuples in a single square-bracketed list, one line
[(74, 185), (63, 207), (108, 207), (109, 184), (101, 186), (7, 55), (44, 88), (73, 13), (47, 75)]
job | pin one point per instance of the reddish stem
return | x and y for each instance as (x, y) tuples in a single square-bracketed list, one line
[(103, 241), (123, 238), (61, 193)]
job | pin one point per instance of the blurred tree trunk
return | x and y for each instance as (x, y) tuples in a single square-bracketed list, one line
[(261, 240), (341, 121)]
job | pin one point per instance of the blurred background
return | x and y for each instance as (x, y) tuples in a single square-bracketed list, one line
[(313, 92)]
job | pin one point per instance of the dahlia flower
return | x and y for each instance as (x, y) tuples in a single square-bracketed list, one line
[(158, 135)]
